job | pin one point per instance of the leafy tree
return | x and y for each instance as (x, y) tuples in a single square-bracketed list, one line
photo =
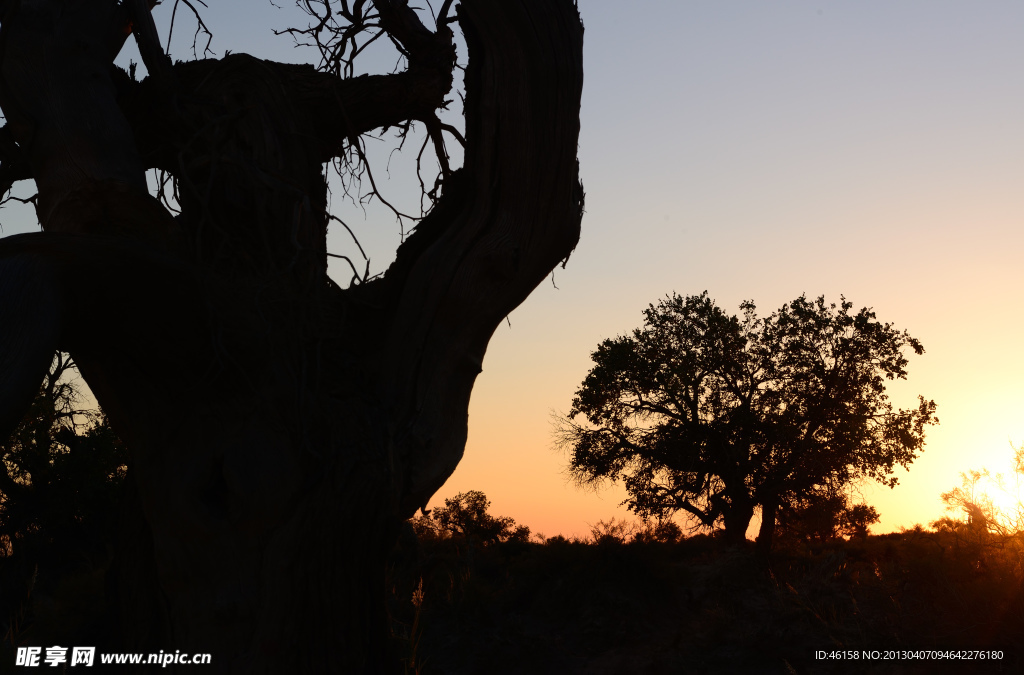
[(856, 519), (263, 403), (716, 415), (465, 515)]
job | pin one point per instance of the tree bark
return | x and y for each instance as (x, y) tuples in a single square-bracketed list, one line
[(281, 428), (736, 518), (766, 534)]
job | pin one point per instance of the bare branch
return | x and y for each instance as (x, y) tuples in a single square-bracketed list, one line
[(402, 24), (454, 132), (442, 16), (356, 278), (337, 41), (200, 27), (351, 234)]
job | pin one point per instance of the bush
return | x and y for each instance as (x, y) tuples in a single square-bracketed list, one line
[(611, 532), (662, 532)]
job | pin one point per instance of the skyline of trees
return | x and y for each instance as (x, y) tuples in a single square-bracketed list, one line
[(56, 427)]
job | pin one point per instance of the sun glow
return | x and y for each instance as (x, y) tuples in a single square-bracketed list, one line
[(997, 498), (1006, 499)]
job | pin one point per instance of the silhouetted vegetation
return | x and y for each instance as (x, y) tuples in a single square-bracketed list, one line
[(60, 491), (465, 517), (634, 598), (717, 415), (471, 592), (974, 501), (822, 517)]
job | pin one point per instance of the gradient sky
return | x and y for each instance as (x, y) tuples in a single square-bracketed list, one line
[(757, 151)]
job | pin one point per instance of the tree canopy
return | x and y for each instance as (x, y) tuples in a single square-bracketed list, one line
[(465, 515), (717, 414)]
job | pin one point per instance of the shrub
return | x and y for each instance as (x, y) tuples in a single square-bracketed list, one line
[(663, 531)]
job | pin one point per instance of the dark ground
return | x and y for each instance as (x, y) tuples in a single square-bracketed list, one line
[(698, 606)]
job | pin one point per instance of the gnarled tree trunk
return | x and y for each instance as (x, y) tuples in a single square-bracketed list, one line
[(281, 428), (736, 519)]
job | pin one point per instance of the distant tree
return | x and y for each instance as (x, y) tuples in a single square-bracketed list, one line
[(716, 415), (979, 512), (856, 519), (425, 527), (465, 515)]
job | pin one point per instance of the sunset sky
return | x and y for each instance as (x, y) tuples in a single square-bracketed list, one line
[(757, 151)]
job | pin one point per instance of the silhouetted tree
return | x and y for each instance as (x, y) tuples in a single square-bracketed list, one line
[(465, 515), (855, 520), (974, 499), (281, 427), (717, 415)]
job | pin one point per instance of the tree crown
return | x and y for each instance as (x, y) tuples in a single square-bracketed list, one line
[(706, 411)]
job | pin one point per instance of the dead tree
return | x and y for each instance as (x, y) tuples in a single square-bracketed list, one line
[(281, 427)]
